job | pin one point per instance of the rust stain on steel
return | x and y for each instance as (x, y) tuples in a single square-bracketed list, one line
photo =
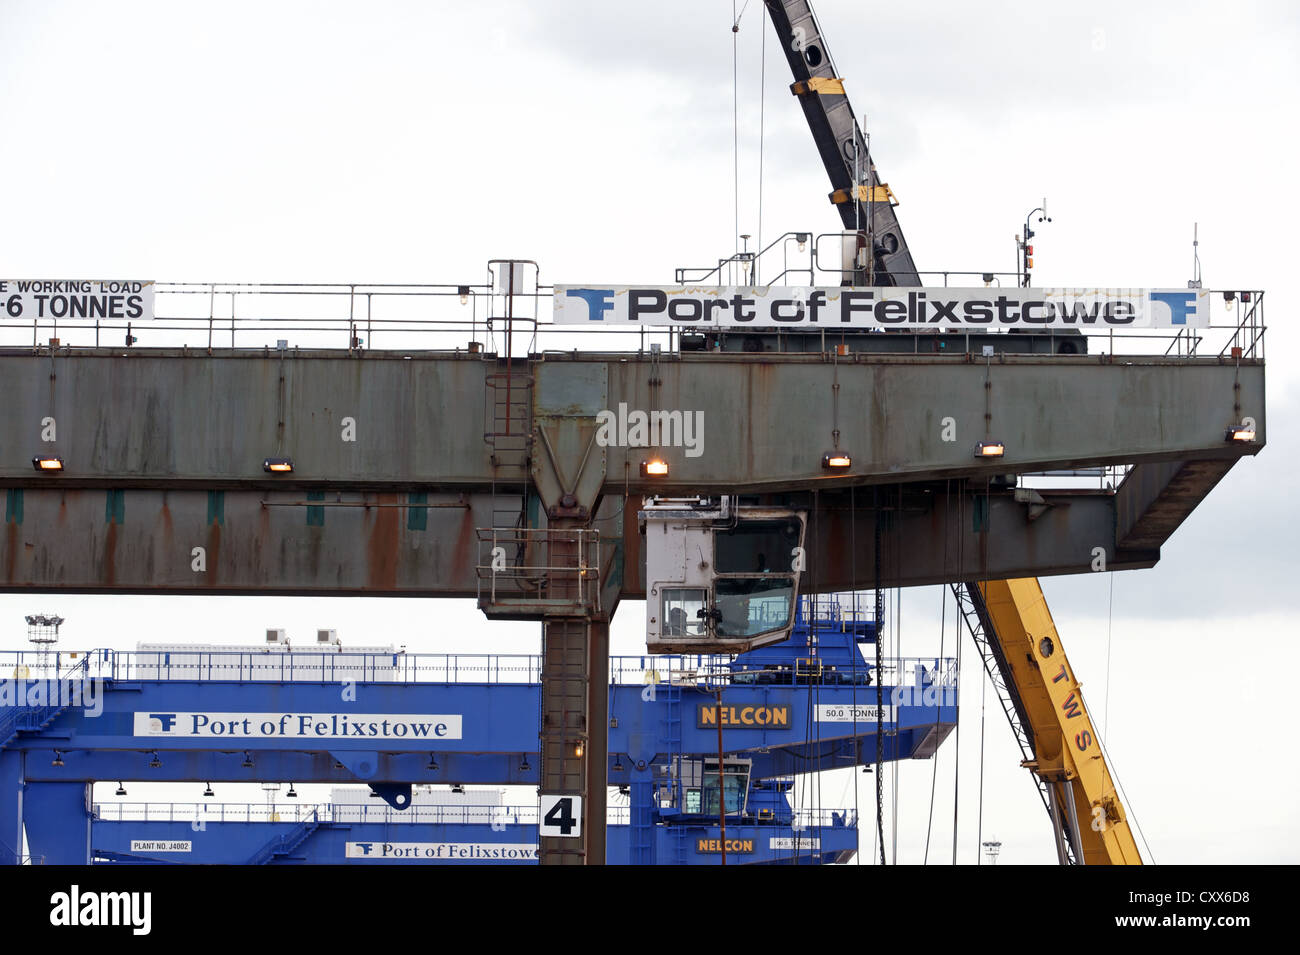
[(382, 542), (466, 554)]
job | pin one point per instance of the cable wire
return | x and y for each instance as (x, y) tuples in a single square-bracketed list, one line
[(1110, 620), (762, 123)]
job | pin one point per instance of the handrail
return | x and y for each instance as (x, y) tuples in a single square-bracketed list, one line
[(199, 814), (315, 666), (357, 318)]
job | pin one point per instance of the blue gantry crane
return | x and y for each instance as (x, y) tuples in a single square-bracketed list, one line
[(394, 720)]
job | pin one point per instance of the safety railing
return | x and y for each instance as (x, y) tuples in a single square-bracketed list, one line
[(838, 611), (710, 671), (526, 568), (400, 667), (470, 320), (217, 812), (283, 666), (199, 814)]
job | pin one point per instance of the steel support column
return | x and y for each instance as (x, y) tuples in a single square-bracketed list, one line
[(12, 786), (574, 732)]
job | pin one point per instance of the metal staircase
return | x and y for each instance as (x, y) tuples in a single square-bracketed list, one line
[(33, 719), (284, 844)]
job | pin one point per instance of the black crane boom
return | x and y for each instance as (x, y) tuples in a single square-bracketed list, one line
[(864, 202)]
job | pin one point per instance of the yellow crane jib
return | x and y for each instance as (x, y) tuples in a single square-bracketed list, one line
[(1067, 750)]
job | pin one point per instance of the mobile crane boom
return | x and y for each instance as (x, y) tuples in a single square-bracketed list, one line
[(1063, 747), (865, 204), (1008, 619)]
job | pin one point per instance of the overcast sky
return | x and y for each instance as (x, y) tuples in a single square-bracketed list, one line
[(412, 142)]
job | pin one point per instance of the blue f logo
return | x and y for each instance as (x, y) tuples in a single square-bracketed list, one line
[(1181, 304), (366, 847), (599, 301), (165, 720)]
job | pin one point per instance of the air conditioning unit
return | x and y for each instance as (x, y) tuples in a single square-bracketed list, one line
[(328, 636), (277, 636)]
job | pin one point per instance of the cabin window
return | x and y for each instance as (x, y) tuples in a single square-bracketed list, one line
[(747, 606), (756, 547), (683, 612)]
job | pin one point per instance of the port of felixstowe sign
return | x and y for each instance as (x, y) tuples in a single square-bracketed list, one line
[(722, 306)]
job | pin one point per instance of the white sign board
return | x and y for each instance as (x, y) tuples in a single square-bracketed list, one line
[(811, 843), (76, 298), (214, 725), (560, 817), (447, 851), (156, 845), (732, 307), (847, 713)]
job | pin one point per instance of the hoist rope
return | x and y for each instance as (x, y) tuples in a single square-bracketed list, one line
[(943, 608), (762, 124), (1110, 620), (979, 828), (855, 652), (934, 766), (897, 624), (1119, 785), (880, 660), (956, 743)]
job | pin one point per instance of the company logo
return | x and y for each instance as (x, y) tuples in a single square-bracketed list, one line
[(710, 846), (1180, 305), (757, 717), (653, 429), (365, 847), (74, 907), (161, 722), (599, 301)]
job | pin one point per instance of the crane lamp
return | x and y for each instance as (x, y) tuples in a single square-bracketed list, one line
[(655, 468), (990, 449), (47, 462), (1241, 434), (278, 465), (837, 461)]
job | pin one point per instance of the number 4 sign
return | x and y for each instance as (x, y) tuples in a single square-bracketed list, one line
[(561, 817)]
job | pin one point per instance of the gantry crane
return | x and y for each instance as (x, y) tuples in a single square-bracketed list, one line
[(1008, 619)]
